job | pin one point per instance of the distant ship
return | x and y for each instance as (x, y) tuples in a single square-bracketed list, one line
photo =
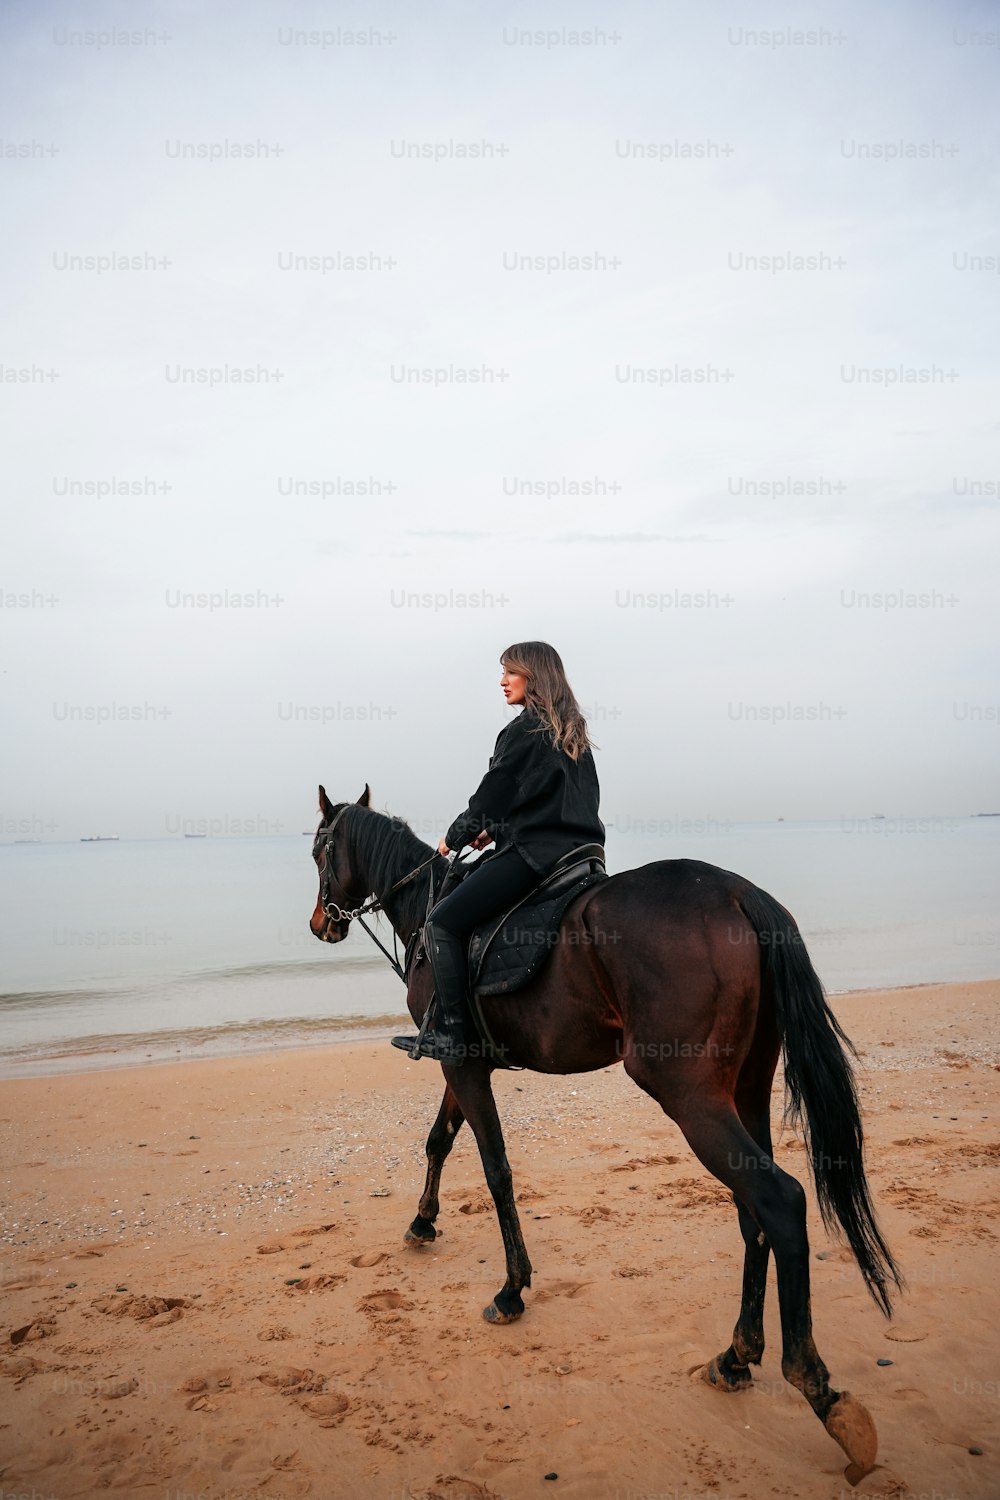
[(101, 838)]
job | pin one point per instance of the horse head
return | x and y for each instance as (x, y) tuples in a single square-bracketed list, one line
[(339, 887)]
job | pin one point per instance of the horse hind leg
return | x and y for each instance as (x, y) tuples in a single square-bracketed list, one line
[(439, 1143), (730, 1370), (777, 1203)]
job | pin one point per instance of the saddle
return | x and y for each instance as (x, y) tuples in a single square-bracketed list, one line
[(507, 951)]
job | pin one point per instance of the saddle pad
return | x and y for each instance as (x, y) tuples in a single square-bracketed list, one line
[(505, 954)]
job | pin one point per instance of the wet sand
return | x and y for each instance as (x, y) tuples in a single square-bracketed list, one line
[(206, 1290)]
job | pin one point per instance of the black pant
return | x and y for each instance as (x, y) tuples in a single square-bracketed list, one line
[(485, 892)]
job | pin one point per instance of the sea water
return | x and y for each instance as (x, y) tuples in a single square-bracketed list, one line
[(159, 947)]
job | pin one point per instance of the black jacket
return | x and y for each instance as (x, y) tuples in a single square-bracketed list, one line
[(533, 796)]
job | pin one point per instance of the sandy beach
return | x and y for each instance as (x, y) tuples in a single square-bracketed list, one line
[(206, 1290)]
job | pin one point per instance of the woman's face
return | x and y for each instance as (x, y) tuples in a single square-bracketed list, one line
[(513, 684)]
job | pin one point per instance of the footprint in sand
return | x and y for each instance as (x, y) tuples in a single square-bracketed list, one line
[(321, 1283), (452, 1487), (387, 1301), (329, 1409), (561, 1289), (199, 1388), (645, 1161), (141, 1308), (286, 1460), (973, 1154), (316, 1229), (369, 1258), (115, 1387), (21, 1369), (160, 1320), (292, 1381), (502, 1450), (41, 1328), (694, 1192), (275, 1332), (906, 1334), (594, 1213)]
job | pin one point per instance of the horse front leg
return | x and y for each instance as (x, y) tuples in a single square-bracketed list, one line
[(471, 1087), (439, 1143)]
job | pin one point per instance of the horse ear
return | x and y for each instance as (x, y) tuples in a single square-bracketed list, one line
[(365, 800), (325, 806)]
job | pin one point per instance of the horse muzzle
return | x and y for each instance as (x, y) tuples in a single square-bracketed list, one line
[(328, 929)]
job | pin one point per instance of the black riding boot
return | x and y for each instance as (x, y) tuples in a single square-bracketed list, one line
[(448, 1040)]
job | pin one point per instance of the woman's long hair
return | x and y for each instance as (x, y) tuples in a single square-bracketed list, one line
[(549, 694)]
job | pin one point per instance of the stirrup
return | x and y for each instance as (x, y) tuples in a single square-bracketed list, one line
[(437, 1048), (411, 1044)]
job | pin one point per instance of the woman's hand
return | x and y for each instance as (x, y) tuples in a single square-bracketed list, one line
[(479, 842)]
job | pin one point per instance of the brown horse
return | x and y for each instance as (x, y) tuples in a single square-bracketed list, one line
[(697, 980)]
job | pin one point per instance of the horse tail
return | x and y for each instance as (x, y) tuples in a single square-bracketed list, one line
[(821, 1094)]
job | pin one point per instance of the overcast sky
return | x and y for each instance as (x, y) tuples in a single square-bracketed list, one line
[(771, 449)]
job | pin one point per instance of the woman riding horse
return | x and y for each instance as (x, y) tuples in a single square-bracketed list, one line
[(538, 801)]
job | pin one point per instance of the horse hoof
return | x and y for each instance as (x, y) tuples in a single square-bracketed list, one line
[(417, 1240), (850, 1425), (420, 1232), (714, 1375), (492, 1314)]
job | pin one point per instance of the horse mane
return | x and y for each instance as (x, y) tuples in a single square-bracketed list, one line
[(390, 850)]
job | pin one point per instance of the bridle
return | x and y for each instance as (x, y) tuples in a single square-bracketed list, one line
[(338, 913), (373, 903)]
